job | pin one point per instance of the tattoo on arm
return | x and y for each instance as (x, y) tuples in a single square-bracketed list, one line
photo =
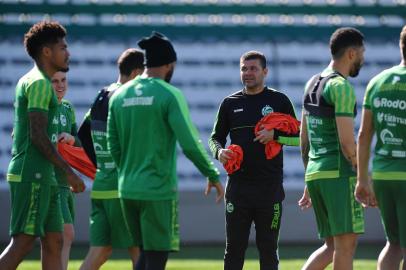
[(304, 150), (39, 138)]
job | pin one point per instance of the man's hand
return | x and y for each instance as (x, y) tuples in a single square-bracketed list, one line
[(219, 188), (364, 194), (264, 136), (305, 202), (225, 155), (66, 138), (76, 184)]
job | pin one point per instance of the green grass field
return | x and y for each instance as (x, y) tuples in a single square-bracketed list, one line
[(192, 257), (191, 264)]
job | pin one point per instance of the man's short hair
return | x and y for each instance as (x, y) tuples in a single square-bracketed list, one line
[(344, 38), (42, 34), (129, 60), (402, 42), (253, 55)]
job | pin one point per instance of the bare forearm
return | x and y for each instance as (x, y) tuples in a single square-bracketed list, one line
[(363, 149), (365, 135), (349, 150), (304, 150), (39, 138), (304, 141)]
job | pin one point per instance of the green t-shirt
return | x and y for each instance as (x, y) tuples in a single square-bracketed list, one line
[(105, 185), (386, 98), (34, 92), (325, 157), (67, 124), (146, 118)]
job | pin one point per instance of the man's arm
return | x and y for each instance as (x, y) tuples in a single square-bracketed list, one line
[(345, 128), (218, 137), (221, 128), (188, 138), (39, 138), (363, 190), (305, 201), (304, 141), (85, 136)]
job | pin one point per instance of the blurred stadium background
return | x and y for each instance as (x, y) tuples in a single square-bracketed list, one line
[(209, 36)]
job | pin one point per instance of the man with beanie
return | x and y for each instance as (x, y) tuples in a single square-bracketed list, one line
[(146, 117)]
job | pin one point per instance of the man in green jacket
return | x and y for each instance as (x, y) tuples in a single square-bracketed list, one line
[(146, 117)]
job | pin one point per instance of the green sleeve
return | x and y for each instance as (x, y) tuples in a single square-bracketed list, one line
[(282, 137), (113, 143), (187, 135), (340, 93), (39, 94)]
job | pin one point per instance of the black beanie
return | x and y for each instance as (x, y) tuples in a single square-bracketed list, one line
[(158, 50)]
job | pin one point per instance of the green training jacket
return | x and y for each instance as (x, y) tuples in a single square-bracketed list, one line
[(146, 118)]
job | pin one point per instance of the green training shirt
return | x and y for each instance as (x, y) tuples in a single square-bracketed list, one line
[(386, 98), (146, 118), (325, 157), (34, 92), (105, 185), (67, 124)]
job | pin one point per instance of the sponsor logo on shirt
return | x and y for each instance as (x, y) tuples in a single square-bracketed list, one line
[(387, 103), (267, 110), (138, 101), (395, 79), (55, 120), (109, 165), (387, 137), (398, 154), (62, 118), (313, 138), (321, 151), (382, 152), (315, 121), (54, 138), (390, 119)]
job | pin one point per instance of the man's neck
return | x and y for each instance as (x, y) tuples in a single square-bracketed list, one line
[(122, 79), (154, 73), (254, 91), (403, 63), (340, 67), (46, 69)]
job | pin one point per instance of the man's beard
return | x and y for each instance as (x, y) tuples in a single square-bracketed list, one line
[(65, 69), (355, 69)]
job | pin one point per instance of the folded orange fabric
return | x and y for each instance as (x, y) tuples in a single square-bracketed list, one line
[(77, 158), (279, 121), (234, 163)]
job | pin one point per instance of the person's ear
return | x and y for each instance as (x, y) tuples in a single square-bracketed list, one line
[(46, 51), (351, 53)]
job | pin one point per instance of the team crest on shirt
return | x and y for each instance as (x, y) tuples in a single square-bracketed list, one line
[(230, 207), (267, 110), (137, 91), (62, 119)]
